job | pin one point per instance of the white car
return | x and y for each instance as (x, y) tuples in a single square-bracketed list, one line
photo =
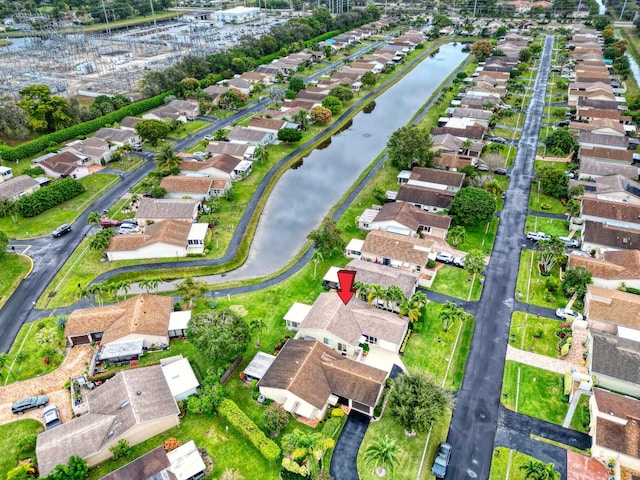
[(568, 314), (459, 261), (444, 257), (127, 228), (208, 137)]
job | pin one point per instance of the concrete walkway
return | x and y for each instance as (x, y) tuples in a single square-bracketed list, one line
[(572, 407), (539, 361)]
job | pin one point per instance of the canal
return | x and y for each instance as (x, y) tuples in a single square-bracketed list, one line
[(304, 195)]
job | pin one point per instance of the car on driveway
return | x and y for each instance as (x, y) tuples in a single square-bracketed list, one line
[(51, 417), (107, 222), (441, 462), (444, 257), (482, 168), (127, 228), (500, 171), (568, 314), (570, 242), (459, 262), (61, 230), (28, 403), (535, 236)]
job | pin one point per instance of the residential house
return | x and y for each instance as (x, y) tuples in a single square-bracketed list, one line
[(615, 188), (478, 101), (240, 84), (269, 125), (129, 123), (94, 148), (602, 237), (182, 110), (64, 164), (588, 114), (214, 91), (163, 239), (157, 209), (202, 188), (425, 198), (306, 377), (241, 151), (311, 96), (255, 77), (615, 429), (370, 274), (134, 405), (118, 136), (611, 213), (400, 251), (606, 155), (476, 115), (601, 126), (374, 67), (298, 103), (454, 162), (614, 361), (435, 179), (405, 219), (143, 317), (6, 173), (596, 91), (587, 102), (446, 143), (592, 169), (613, 312), (616, 268), (17, 187), (251, 136), (220, 166)]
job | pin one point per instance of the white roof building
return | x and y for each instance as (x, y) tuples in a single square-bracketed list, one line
[(180, 377)]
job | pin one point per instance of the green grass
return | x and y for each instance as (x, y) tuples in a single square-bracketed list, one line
[(129, 163), (45, 223), (505, 133), (550, 226), (160, 144), (480, 237), (500, 468), (530, 286), (523, 328), (188, 129), (582, 416), (456, 282), (411, 449), (439, 345), (33, 365), (10, 435), (541, 393), (14, 268)]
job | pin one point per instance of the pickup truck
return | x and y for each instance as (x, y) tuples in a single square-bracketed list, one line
[(535, 236), (441, 462)]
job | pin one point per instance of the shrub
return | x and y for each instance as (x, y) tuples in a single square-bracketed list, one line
[(49, 197), (120, 449), (331, 427), (171, 443), (337, 412), (27, 444), (545, 206), (431, 264), (239, 420)]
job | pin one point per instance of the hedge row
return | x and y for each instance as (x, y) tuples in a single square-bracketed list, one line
[(239, 420), (34, 147), (49, 197)]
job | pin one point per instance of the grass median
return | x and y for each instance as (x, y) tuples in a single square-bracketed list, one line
[(14, 269)]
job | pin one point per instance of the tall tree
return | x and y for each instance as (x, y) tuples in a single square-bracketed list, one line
[(276, 94), (316, 258), (257, 325), (4, 243), (152, 130), (150, 283), (474, 262), (93, 219), (46, 111), (327, 239), (550, 251), (220, 335), (190, 289), (410, 145), (167, 159), (261, 154), (450, 314), (456, 235), (472, 206)]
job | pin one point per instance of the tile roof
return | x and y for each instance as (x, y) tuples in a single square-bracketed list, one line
[(451, 160), (375, 274), (17, 185), (601, 113), (447, 141), (617, 423), (613, 306), (172, 232), (179, 184), (615, 357), (602, 153), (166, 208), (611, 236), (145, 314), (425, 196), (116, 135), (610, 210), (434, 175), (411, 217), (130, 398), (313, 371), (603, 140), (606, 269), (410, 250)]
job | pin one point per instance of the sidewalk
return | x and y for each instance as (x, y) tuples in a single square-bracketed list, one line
[(556, 365)]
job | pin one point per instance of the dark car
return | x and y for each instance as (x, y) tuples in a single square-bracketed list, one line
[(61, 230), (441, 462), (500, 171), (51, 417), (28, 403), (107, 222)]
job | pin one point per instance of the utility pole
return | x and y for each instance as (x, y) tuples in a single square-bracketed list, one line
[(153, 14), (106, 18), (475, 4), (622, 12)]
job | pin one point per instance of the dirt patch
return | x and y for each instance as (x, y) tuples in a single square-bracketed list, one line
[(239, 310)]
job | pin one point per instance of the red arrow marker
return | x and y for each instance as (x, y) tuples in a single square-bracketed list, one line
[(346, 290)]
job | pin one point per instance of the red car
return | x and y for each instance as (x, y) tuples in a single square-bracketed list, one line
[(107, 222)]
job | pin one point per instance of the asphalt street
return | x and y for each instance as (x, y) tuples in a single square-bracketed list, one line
[(475, 417)]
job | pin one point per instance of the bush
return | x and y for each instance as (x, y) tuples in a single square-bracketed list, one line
[(331, 426), (27, 444), (545, 206), (49, 197), (431, 264), (171, 443), (337, 413), (239, 420), (120, 449)]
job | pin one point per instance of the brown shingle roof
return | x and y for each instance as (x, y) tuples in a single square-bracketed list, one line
[(142, 468), (145, 314), (234, 149), (441, 177), (618, 211), (268, 123), (371, 273), (425, 196), (602, 153), (611, 236), (398, 247), (450, 160), (616, 357), (17, 185), (313, 372), (166, 208), (130, 122), (243, 133), (475, 132), (173, 232), (178, 184), (613, 306), (63, 163), (412, 217), (601, 113), (618, 422)]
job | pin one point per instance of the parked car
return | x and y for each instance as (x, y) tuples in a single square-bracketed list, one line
[(444, 257), (107, 222), (208, 137), (127, 228), (570, 242), (137, 147), (499, 140), (459, 262), (482, 168), (500, 171), (61, 230), (131, 221), (535, 236), (568, 314), (51, 417), (563, 123), (28, 403), (441, 462)]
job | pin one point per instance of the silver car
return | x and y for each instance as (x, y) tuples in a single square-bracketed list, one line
[(51, 417)]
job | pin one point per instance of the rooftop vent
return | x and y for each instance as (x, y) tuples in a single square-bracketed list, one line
[(138, 392)]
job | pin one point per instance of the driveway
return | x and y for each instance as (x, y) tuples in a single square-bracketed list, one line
[(51, 384), (343, 461)]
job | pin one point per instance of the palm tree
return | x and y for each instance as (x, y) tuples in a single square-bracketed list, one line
[(257, 324), (123, 285), (308, 447), (167, 159), (409, 309), (150, 283), (316, 259), (382, 453), (361, 289), (457, 235), (83, 292), (396, 296), (302, 119), (448, 315), (466, 145), (494, 188), (261, 154), (220, 134), (375, 292), (536, 470), (20, 358), (93, 219), (419, 299), (47, 338), (4, 360), (111, 289), (97, 290)]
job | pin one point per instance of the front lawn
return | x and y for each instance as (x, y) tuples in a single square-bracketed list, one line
[(480, 237), (14, 268), (540, 202), (531, 286), (500, 468), (534, 334), (456, 282), (582, 416), (411, 449), (541, 392), (550, 226), (188, 129), (30, 363), (45, 223), (432, 349), (10, 436)]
